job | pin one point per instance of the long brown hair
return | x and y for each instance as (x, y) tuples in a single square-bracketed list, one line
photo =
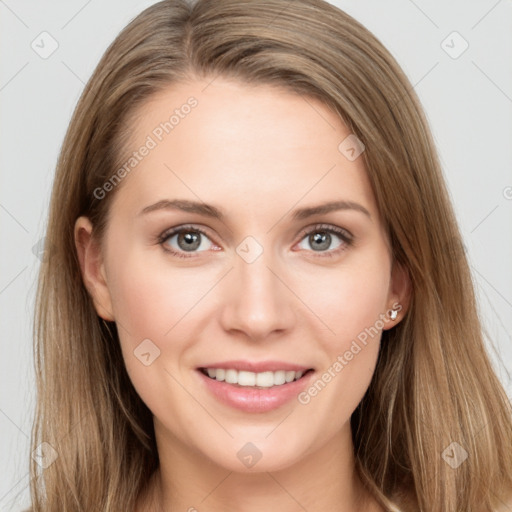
[(433, 384)]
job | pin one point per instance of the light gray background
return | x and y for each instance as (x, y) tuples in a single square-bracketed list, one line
[(468, 101)]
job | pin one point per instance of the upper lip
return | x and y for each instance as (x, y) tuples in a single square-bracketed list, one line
[(257, 367)]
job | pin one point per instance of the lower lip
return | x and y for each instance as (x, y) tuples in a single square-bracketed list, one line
[(251, 399)]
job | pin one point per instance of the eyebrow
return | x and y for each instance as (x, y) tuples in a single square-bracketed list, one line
[(209, 210)]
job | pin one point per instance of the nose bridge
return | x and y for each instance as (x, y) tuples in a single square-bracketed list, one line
[(256, 302)]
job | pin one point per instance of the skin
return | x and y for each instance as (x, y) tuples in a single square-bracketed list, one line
[(257, 153)]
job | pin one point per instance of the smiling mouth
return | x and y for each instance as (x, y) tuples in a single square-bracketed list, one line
[(260, 380)]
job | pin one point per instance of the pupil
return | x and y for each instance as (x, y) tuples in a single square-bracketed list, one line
[(191, 241), (323, 238)]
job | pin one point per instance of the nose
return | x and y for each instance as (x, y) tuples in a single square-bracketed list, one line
[(256, 299)]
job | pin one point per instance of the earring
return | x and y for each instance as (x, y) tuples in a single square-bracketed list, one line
[(393, 314)]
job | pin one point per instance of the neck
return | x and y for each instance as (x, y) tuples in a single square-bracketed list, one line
[(325, 479)]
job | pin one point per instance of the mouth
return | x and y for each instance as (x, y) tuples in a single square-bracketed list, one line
[(255, 380), (254, 386)]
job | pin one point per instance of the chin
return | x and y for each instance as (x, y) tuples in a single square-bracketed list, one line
[(258, 456)]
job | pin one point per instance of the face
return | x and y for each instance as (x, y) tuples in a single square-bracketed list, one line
[(216, 259)]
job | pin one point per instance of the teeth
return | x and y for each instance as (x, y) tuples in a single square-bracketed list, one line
[(244, 378)]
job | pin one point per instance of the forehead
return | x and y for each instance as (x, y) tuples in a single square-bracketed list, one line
[(220, 140)]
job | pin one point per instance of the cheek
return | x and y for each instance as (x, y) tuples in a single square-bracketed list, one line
[(351, 302), (152, 300), (150, 297), (150, 305), (140, 303)]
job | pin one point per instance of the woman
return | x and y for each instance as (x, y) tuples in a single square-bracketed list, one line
[(257, 296)]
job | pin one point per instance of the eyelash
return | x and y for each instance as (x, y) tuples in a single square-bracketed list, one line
[(346, 237)]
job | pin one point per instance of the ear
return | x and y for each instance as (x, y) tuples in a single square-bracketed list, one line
[(399, 296), (92, 267)]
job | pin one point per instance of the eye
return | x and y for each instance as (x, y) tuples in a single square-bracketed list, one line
[(321, 238), (185, 239)]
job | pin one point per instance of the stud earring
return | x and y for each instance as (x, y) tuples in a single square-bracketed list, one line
[(393, 314)]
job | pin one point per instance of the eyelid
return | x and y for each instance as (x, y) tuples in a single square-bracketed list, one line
[(346, 236), (183, 227), (168, 233), (341, 232)]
